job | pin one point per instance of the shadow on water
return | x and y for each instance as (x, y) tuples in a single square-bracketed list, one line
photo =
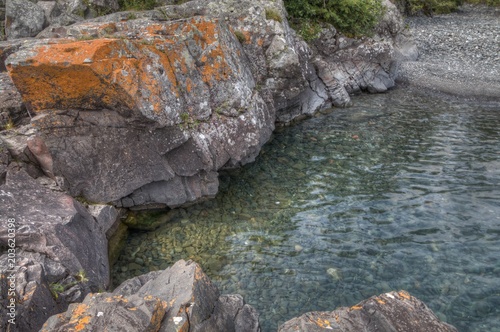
[(397, 192)]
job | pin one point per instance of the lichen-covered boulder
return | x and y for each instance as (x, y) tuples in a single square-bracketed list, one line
[(148, 116), (180, 298), (394, 311)]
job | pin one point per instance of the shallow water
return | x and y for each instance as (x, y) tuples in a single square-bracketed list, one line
[(397, 192)]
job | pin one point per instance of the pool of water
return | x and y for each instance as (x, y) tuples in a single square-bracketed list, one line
[(398, 192)]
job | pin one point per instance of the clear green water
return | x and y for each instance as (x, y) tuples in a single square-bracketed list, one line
[(398, 192)]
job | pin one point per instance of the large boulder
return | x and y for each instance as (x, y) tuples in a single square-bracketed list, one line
[(23, 18), (149, 116), (394, 311), (180, 298), (61, 252)]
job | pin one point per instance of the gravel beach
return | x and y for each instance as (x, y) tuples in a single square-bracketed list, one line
[(459, 53)]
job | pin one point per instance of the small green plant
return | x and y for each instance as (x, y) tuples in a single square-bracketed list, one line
[(131, 16), (272, 14), (56, 289), (185, 117), (81, 276), (308, 30), (431, 7), (136, 4), (240, 36), (9, 124)]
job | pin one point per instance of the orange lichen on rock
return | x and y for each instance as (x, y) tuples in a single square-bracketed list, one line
[(356, 307), (80, 74), (404, 294), (79, 311), (323, 323), (215, 67), (158, 314), (82, 323)]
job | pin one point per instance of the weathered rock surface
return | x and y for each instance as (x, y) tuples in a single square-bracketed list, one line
[(23, 18), (394, 311), (61, 250), (348, 66), (12, 109), (180, 95), (180, 298), (185, 95)]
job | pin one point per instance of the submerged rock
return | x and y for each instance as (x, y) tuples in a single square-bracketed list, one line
[(394, 311), (180, 298)]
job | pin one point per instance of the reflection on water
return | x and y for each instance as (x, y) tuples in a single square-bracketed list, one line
[(398, 192)]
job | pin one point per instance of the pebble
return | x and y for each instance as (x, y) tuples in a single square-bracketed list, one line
[(462, 48)]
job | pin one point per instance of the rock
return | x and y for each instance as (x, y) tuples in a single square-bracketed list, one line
[(180, 298), (12, 109), (57, 238), (394, 311), (187, 96), (182, 141), (23, 18), (34, 301), (4, 162), (6, 49), (347, 66), (106, 216)]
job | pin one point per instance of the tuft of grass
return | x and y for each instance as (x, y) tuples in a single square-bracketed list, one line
[(56, 289), (185, 117), (9, 124), (137, 4), (308, 30), (81, 276), (240, 36), (272, 14)]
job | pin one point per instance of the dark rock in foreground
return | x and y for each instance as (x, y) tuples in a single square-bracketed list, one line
[(394, 311), (61, 251), (180, 298)]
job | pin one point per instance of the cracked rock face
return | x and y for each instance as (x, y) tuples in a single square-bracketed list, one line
[(394, 311), (180, 298), (146, 118), (56, 240), (348, 66)]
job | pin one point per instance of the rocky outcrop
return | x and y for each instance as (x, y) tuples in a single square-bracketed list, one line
[(12, 109), (173, 102), (180, 298), (23, 18), (348, 66), (394, 311), (61, 249)]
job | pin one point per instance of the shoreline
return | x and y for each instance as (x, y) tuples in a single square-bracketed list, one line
[(459, 53)]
